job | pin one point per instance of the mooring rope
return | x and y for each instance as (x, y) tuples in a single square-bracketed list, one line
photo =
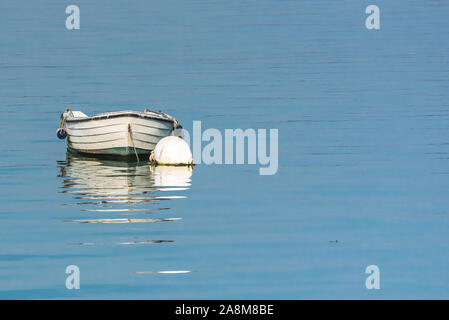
[(175, 122), (164, 115), (62, 122), (130, 136)]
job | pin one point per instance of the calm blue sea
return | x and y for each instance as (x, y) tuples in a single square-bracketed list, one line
[(363, 120)]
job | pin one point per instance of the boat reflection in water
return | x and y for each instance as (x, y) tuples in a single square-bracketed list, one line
[(125, 190)]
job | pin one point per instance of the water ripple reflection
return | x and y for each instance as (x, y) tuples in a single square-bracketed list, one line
[(118, 189)]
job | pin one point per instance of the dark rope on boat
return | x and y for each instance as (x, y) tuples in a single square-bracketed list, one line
[(130, 136)]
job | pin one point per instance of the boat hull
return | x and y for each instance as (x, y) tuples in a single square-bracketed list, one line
[(123, 135), (113, 152)]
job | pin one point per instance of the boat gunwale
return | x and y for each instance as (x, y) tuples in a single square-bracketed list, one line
[(112, 132), (134, 114), (117, 124)]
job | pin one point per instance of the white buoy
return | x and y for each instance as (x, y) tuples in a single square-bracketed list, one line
[(172, 150)]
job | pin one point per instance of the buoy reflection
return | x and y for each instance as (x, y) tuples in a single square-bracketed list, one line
[(172, 178)]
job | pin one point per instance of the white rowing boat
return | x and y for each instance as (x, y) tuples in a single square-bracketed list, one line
[(122, 133)]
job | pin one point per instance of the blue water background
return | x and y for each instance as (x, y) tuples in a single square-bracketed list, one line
[(363, 148)]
